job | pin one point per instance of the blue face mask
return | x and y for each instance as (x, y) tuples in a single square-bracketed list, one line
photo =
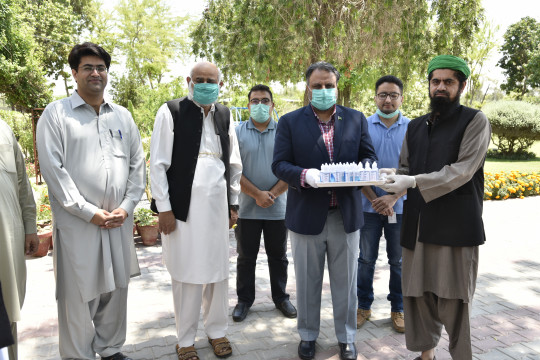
[(205, 93), (260, 112), (387, 116), (323, 99)]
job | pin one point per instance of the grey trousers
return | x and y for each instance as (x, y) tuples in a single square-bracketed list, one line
[(87, 328), (425, 317), (309, 252)]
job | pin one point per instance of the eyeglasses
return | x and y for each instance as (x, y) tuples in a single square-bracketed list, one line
[(393, 96), (264, 101), (90, 68)]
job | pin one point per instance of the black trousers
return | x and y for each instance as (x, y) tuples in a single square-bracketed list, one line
[(6, 337), (248, 240)]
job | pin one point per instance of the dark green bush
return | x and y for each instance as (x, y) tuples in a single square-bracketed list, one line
[(520, 155), (515, 126)]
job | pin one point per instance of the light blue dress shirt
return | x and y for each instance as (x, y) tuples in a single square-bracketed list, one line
[(387, 143), (257, 151)]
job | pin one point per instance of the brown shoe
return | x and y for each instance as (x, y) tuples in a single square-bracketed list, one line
[(398, 321), (221, 346), (361, 317), (186, 353)]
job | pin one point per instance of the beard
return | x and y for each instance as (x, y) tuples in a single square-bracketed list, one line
[(440, 104)]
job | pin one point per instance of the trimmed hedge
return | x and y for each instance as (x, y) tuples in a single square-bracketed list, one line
[(515, 126)]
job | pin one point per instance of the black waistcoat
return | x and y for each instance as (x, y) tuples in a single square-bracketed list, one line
[(454, 219), (188, 122)]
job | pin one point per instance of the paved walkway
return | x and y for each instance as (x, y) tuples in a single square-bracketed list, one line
[(505, 318)]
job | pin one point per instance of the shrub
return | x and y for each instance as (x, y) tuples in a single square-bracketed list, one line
[(515, 126), (145, 217), (43, 205), (515, 184), (520, 156), (151, 100)]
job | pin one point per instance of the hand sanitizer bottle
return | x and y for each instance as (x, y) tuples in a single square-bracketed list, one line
[(325, 173), (339, 172), (374, 174), (349, 172), (321, 174), (358, 172), (367, 172), (332, 171)]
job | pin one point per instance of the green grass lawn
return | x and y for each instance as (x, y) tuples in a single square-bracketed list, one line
[(496, 165)]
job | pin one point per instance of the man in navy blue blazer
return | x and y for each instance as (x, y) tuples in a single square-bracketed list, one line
[(323, 221)]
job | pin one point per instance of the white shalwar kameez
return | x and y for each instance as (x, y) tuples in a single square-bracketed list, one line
[(196, 253), (91, 161), (17, 218)]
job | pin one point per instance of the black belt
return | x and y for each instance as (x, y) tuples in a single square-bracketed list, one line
[(333, 207)]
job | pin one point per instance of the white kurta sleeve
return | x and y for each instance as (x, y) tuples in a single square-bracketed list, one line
[(235, 165), (26, 197), (49, 137), (137, 171), (161, 147), (472, 152)]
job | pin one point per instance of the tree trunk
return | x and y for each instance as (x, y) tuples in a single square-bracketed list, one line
[(66, 84), (344, 96), (306, 98), (523, 89), (150, 81)]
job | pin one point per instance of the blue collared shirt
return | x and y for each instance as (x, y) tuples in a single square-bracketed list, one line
[(257, 151), (387, 143)]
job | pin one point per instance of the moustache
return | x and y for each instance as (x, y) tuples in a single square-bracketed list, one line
[(442, 92)]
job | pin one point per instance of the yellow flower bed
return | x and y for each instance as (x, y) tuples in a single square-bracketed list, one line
[(513, 184)]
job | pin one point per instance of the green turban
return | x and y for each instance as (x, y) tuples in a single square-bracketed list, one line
[(449, 62)]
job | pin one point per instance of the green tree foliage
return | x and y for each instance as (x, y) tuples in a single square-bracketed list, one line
[(152, 99), (22, 79), (265, 40), (105, 33), (58, 25), (276, 40), (149, 37), (521, 56), (481, 47), (124, 89), (515, 126), (455, 23)]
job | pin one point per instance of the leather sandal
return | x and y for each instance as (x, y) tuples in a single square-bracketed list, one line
[(221, 346), (187, 353)]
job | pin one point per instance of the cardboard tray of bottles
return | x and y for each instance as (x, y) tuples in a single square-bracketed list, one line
[(351, 183)]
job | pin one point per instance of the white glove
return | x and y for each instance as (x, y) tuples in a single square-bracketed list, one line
[(312, 177), (396, 184), (384, 172)]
